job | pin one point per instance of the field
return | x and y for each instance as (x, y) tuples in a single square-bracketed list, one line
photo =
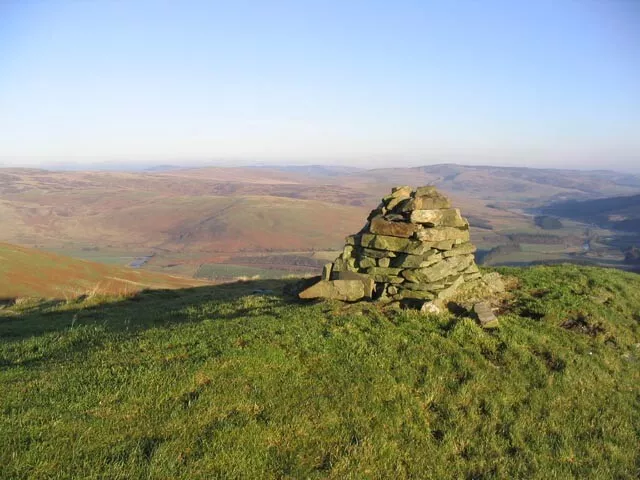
[(214, 382)]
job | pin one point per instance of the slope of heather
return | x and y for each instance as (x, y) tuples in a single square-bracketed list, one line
[(25, 272)]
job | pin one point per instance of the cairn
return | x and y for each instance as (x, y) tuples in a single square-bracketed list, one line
[(414, 246)]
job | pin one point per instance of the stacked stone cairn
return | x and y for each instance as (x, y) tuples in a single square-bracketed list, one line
[(413, 247)]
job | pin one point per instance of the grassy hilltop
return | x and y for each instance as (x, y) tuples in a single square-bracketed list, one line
[(220, 382)]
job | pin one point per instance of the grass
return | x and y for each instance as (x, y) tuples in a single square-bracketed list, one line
[(215, 382)]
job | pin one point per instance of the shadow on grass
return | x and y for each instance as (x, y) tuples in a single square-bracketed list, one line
[(146, 309)]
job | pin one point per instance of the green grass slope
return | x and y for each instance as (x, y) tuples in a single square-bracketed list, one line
[(26, 272), (215, 382)]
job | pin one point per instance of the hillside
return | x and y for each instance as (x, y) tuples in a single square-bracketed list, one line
[(217, 382), (618, 213), (26, 272)]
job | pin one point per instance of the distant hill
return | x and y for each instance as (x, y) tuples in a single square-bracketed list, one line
[(617, 213), (26, 272)]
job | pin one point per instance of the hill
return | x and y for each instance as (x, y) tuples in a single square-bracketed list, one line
[(192, 217), (618, 213), (26, 272), (217, 382)]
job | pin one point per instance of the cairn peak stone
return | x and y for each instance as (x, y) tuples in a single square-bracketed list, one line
[(414, 246)]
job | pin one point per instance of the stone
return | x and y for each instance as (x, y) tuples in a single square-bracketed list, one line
[(398, 194), (394, 244), (381, 226), (447, 267), (373, 253), (383, 271), (345, 290), (405, 260), (427, 190), (384, 262), (430, 307), (326, 271), (451, 289), (392, 290), (425, 203), (449, 217), (485, 315), (368, 282), (444, 245), (443, 233), (463, 249), (366, 262)]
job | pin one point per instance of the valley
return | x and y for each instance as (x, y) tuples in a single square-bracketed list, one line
[(222, 223)]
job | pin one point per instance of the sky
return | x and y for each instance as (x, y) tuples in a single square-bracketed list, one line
[(534, 83)]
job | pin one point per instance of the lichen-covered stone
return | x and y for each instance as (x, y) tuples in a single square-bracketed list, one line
[(345, 290), (463, 249), (448, 217), (443, 233), (381, 226), (394, 244)]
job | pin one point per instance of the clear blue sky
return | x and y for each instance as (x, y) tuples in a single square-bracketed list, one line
[(544, 82)]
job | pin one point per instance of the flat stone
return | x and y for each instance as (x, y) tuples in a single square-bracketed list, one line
[(425, 191), (381, 226), (425, 203), (383, 271), (406, 260), (451, 289), (443, 233), (449, 217), (394, 244), (367, 281), (379, 278), (447, 267), (373, 253), (485, 315), (392, 290), (444, 245), (345, 290), (463, 249)]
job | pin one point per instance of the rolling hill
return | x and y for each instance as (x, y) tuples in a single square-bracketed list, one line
[(188, 216), (26, 272)]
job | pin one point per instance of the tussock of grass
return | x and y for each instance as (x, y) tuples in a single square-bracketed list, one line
[(216, 383)]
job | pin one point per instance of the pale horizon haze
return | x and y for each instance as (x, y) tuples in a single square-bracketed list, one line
[(375, 83)]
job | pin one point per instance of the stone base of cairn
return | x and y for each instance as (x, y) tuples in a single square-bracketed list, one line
[(414, 246)]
